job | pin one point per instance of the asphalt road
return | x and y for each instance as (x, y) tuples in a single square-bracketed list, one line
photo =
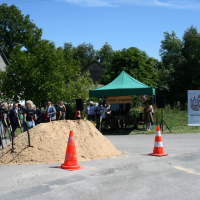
[(133, 175)]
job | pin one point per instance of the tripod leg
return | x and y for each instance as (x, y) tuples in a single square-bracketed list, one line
[(4, 133), (161, 125), (9, 133), (167, 126), (12, 134), (1, 140), (100, 126), (29, 140)]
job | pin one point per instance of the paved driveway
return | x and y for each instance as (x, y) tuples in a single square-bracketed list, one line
[(133, 175)]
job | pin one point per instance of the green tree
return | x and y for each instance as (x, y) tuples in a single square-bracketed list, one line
[(134, 62), (78, 89), (84, 53), (171, 54), (40, 73), (105, 55), (170, 50), (15, 28), (181, 60), (188, 73)]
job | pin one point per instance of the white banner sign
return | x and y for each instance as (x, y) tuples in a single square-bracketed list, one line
[(193, 107)]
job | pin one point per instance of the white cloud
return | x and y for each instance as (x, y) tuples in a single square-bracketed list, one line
[(180, 4), (91, 3)]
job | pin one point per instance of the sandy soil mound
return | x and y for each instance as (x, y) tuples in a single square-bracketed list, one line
[(49, 143)]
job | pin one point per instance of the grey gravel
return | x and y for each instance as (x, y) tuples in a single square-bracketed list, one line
[(133, 175)]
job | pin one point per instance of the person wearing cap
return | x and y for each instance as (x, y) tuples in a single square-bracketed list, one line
[(91, 111)]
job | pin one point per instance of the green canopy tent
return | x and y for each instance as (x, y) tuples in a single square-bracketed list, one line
[(123, 85)]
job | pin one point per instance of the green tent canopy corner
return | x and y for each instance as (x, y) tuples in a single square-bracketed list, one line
[(123, 85)]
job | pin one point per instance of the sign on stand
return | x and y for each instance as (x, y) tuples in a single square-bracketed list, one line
[(144, 97), (119, 99), (193, 107)]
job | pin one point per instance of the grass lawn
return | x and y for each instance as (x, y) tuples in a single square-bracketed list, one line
[(176, 121)]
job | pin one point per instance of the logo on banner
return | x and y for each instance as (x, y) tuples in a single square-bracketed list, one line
[(195, 103), (144, 97)]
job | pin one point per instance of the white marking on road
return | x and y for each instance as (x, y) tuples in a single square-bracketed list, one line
[(190, 171)]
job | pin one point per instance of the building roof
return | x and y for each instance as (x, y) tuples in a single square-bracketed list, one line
[(95, 61)]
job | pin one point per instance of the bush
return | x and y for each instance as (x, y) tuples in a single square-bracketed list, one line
[(158, 115), (133, 113), (70, 111)]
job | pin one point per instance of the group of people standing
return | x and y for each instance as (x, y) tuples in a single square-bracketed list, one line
[(100, 110), (29, 116), (94, 112)]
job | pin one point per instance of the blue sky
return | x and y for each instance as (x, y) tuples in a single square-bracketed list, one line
[(121, 23)]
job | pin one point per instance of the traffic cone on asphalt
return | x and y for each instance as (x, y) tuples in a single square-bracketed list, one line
[(158, 146), (71, 162)]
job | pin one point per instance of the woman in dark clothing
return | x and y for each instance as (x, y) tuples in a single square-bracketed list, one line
[(29, 116), (61, 112)]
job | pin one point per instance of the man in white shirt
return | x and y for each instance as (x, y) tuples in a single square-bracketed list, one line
[(91, 111)]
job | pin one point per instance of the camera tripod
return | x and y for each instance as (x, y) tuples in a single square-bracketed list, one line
[(161, 123), (3, 135)]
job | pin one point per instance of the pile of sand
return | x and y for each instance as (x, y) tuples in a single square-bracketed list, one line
[(49, 143)]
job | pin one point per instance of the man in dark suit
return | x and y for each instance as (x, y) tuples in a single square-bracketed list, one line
[(12, 118), (38, 115)]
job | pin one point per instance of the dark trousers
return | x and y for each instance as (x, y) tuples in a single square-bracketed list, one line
[(91, 117), (98, 120), (14, 125), (37, 122), (115, 122)]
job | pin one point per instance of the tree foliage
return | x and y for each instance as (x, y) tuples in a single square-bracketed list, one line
[(39, 73), (15, 28), (79, 89), (170, 50), (105, 55), (182, 59), (84, 53), (134, 62)]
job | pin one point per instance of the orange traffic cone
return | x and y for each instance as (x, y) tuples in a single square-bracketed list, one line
[(158, 146), (71, 163)]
